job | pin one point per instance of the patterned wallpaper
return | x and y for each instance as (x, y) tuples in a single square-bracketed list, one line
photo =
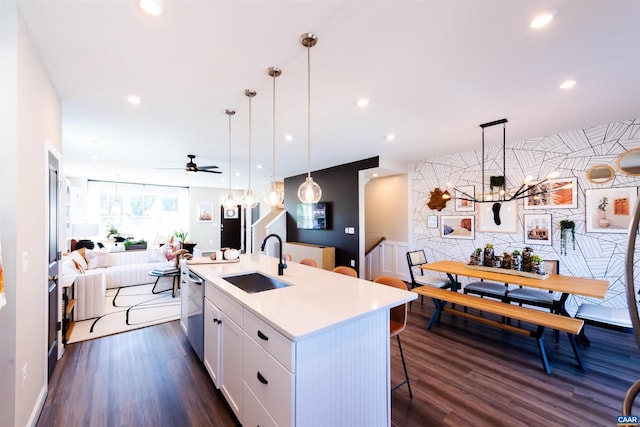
[(596, 254)]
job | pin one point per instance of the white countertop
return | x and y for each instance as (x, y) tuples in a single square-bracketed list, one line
[(316, 300)]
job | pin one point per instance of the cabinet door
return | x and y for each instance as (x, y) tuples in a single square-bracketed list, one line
[(231, 364), (212, 329)]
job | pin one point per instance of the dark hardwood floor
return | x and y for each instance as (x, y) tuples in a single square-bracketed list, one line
[(146, 377), (462, 373)]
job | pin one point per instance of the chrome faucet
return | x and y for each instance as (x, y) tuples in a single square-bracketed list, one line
[(281, 264)]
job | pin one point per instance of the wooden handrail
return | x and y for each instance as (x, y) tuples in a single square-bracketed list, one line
[(380, 240)]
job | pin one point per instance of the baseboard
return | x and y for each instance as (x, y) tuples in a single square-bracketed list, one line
[(37, 409)]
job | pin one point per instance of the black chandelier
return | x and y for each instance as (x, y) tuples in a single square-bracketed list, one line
[(497, 184)]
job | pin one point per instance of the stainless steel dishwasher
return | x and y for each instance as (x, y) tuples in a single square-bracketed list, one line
[(195, 313)]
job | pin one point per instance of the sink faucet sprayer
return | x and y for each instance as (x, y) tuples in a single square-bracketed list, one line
[(281, 264)]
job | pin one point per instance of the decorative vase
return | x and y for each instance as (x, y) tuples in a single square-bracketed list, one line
[(507, 261), (189, 247), (488, 257), (516, 263), (603, 222)]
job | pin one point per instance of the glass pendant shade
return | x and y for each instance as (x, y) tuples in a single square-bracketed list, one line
[(229, 202), (309, 191), (249, 200), (274, 197)]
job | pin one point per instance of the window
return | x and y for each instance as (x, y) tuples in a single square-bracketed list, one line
[(149, 212)]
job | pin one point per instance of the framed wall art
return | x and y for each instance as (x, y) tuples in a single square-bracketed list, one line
[(462, 196), (205, 212), (457, 227), (537, 229), (561, 193), (609, 210), (498, 217), (432, 221)]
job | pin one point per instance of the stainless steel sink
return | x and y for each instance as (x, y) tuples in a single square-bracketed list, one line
[(254, 282)]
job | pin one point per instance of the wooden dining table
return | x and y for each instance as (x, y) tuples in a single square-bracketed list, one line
[(567, 285)]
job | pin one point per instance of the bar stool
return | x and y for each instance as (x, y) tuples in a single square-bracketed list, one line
[(397, 322)]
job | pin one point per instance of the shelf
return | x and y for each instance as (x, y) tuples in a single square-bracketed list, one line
[(70, 305)]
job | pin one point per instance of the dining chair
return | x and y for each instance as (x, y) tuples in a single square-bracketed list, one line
[(347, 271), (537, 297), (417, 258), (309, 261), (397, 323)]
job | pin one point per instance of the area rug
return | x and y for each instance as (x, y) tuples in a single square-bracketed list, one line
[(129, 308)]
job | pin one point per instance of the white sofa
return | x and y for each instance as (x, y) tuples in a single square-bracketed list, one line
[(106, 270)]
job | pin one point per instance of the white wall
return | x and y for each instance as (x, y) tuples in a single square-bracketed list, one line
[(30, 121), (597, 254), (8, 142), (386, 209)]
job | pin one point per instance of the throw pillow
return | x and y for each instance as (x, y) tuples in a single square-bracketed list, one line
[(96, 259), (79, 257), (68, 268), (78, 267), (158, 255), (170, 254)]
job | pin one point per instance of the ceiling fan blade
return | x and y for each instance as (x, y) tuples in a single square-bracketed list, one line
[(207, 167), (206, 170)]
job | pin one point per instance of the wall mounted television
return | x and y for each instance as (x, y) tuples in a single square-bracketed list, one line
[(311, 216)]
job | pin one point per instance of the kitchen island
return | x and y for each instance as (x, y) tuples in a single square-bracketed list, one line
[(315, 352)]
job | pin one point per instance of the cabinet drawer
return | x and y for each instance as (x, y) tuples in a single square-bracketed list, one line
[(253, 413), (272, 384), (276, 344), (228, 306)]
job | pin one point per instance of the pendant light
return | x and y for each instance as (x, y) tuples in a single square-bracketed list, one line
[(249, 201), (309, 191), (274, 197), (229, 202)]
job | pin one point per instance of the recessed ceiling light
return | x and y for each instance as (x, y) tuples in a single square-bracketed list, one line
[(237, 173), (259, 166), (542, 20), (288, 137), (362, 102), (134, 99), (568, 84), (152, 7), (390, 137), (375, 174)]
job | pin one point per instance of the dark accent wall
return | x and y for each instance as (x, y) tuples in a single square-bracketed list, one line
[(340, 192)]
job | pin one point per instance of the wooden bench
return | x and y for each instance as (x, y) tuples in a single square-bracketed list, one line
[(535, 317)]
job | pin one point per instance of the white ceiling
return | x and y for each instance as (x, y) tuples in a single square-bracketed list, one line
[(433, 70)]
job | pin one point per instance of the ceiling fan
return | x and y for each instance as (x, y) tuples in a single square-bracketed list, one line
[(192, 167)]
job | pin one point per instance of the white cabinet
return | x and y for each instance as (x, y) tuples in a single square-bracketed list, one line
[(212, 333), (223, 345), (265, 377), (231, 364)]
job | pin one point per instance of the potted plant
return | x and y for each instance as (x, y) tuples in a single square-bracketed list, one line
[(537, 264), (489, 260), (181, 235), (113, 233), (603, 222), (566, 227), (517, 260), (130, 245)]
